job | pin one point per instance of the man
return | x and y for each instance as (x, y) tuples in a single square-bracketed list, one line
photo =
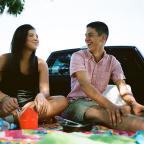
[(90, 70)]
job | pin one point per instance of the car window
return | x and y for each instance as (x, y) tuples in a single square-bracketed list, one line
[(60, 65)]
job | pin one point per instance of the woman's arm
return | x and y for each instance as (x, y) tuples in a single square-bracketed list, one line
[(43, 77), (3, 59), (8, 104), (40, 100)]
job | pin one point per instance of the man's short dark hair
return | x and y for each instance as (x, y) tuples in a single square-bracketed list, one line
[(100, 27)]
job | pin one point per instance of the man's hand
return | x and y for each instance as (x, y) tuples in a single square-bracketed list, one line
[(138, 109), (116, 113), (9, 104), (125, 109)]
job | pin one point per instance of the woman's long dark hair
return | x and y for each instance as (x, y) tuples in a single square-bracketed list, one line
[(18, 44), (11, 72)]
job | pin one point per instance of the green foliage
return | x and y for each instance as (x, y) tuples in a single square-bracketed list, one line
[(15, 7)]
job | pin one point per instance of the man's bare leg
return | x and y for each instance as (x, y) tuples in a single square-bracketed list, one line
[(100, 116)]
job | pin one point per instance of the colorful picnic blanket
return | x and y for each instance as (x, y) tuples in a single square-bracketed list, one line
[(43, 136)]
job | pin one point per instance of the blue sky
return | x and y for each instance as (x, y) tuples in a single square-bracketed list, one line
[(60, 24)]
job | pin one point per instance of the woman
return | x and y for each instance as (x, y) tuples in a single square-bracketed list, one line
[(24, 78)]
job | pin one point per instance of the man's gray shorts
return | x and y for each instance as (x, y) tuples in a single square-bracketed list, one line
[(76, 109)]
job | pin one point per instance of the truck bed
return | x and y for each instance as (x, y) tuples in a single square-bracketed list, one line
[(130, 58)]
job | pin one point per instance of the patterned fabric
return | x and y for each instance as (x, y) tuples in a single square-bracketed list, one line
[(98, 135)]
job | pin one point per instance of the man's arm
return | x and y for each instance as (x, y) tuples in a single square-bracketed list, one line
[(113, 110), (90, 90), (128, 97), (125, 93)]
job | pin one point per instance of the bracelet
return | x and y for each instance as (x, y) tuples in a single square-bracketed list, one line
[(131, 103), (4, 98), (130, 100), (127, 94)]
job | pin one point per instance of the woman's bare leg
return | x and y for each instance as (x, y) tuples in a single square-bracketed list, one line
[(100, 116), (57, 104)]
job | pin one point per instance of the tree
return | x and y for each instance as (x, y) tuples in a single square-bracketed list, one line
[(14, 7)]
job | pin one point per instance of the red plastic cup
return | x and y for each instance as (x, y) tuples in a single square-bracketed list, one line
[(29, 119)]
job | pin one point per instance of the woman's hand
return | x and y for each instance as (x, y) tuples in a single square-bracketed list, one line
[(41, 104), (9, 104)]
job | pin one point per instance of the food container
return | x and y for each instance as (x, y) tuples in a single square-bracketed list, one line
[(28, 119), (71, 126)]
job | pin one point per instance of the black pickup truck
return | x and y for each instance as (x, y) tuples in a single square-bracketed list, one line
[(131, 59)]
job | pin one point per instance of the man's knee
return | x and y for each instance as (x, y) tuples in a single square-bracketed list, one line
[(94, 113), (127, 109)]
